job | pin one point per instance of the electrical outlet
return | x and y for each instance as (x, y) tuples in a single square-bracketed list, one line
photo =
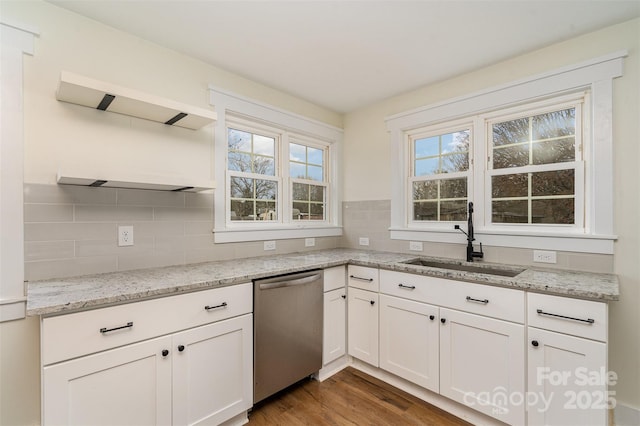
[(363, 241), (269, 245), (415, 246), (125, 236), (309, 242), (543, 256)]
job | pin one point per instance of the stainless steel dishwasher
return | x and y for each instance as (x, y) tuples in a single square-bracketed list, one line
[(287, 330)]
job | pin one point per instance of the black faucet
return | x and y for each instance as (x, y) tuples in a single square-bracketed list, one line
[(470, 239)]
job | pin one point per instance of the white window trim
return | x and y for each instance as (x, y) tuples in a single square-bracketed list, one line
[(595, 76), (16, 41), (224, 232)]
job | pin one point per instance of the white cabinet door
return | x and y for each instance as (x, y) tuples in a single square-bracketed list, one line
[(409, 340), (335, 325), (213, 372), (568, 377), (363, 325), (482, 364), (130, 385)]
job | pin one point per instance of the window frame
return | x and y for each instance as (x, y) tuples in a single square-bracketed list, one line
[(595, 77), (235, 110)]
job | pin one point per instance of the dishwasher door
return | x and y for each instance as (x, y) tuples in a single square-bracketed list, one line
[(287, 315)]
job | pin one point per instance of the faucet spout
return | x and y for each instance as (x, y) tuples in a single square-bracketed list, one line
[(471, 253)]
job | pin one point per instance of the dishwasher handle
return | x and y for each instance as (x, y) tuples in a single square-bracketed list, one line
[(290, 283)]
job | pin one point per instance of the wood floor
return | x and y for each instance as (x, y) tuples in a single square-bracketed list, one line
[(348, 398)]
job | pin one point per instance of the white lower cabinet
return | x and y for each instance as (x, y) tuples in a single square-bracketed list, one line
[(335, 323), (195, 376), (568, 379), (212, 372), (125, 386), (409, 341), (363, 325), (482, 364)]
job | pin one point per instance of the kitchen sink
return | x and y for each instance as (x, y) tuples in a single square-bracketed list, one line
[(478, 269)]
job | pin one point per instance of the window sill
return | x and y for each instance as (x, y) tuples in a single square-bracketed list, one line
[(234, 235), (580, 243)]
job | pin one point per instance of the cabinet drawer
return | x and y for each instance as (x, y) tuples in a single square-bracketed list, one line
[(583, 318), (334, 278), (496, 302), (72, 335), (363, 277)]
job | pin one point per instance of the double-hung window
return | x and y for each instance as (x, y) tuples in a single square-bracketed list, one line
[(276, 173), (440, 175), (534, 156)]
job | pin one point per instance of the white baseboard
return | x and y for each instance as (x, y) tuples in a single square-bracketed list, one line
[(623, 415), (332, 368)]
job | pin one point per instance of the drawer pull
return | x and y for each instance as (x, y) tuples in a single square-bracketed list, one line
[(344, 296), (104, 330), (222, 305), (588, 320), (483, 301), (360, 278), (409, 287)]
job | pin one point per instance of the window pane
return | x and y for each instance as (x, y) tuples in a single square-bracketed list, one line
[(453, 188), (455, 142), (316, 193), (554, 124), (314, 173), (239, 161), (510, 211), (427, 147), (264, 166), (239, 140), (266, 189), (316, 211), (428, 166), (297, 153), (266, 210), (561, 182), (241, 210), (425, 190), (510, 132), (510, 186), (301, 210), (558, 211), (511, 156), (314, 156), (263, 145), (455, 163), (241, 187), (555, 151), (298, 171), (300, 191), (425, 210), (453, 210)]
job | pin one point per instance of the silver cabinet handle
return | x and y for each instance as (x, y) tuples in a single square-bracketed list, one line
[(360, 278), (104, 330), (483, 301), (408, 287), (588, 320), (222, 305)]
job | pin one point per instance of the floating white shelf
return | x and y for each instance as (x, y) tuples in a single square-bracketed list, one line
[(91, 93), (133, 181)]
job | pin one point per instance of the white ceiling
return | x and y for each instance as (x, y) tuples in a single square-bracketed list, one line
[(347, 54)]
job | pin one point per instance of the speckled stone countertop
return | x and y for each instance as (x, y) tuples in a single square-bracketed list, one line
[(63, 295)]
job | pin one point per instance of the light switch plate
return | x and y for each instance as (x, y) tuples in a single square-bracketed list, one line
[(309, 242), (269, 245), (363, 241)]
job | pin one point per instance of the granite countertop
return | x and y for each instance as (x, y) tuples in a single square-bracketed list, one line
[(63, 295)]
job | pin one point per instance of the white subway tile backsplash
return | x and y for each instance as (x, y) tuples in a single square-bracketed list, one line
[(91, 213), (138, 197), (68, 231), (48, 250), (48, 212), (186, 214)]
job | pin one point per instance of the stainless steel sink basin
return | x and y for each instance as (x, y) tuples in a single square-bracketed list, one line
[(478, 269)]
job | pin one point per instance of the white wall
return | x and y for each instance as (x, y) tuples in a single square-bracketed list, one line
[(367, 176)]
